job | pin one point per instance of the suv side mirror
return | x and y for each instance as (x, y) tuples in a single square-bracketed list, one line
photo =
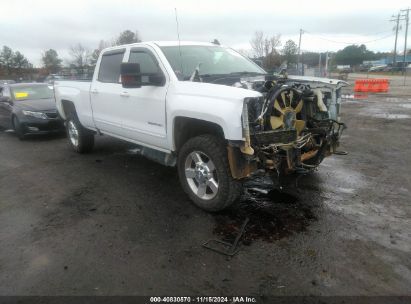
[(130, 75)]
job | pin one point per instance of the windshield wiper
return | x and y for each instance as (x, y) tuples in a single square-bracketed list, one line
[(196, 73)]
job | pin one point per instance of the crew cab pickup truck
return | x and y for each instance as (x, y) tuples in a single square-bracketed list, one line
[(206, 109)]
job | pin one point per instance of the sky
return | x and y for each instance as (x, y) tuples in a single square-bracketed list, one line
[(32, 27)]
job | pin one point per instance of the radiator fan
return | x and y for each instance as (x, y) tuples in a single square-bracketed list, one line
[(284, 115)]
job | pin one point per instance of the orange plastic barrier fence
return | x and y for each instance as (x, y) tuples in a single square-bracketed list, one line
[(372, 85)]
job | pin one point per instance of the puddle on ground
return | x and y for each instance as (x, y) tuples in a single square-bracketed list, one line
[(346, 190), (392, 116), (3, 129), (273, 215), (352, 97), (392, 99)]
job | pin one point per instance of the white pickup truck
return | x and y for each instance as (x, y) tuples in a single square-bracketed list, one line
[(206, 109)]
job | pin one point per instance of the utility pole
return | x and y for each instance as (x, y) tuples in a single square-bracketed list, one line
[(319, 66), (299, 53), (397, 21), (326, 64), (407, 18)]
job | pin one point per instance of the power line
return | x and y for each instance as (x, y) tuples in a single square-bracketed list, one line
[(376, 33), (348, 43)]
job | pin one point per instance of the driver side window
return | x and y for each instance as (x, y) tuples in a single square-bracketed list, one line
[(148, 64)]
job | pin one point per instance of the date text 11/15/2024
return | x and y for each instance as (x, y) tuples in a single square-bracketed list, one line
[(203, 299)]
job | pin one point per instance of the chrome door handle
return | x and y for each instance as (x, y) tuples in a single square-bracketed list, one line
[(94, 91), (124, 94)]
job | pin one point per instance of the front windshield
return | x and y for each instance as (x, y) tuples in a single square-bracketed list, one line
[(211, 60), (30, 92)]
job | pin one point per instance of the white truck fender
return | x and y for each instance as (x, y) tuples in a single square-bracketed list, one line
[(77, 93), (218, 104)]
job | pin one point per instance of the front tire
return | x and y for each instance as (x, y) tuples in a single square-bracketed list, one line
[(80, 139), (205, 174)]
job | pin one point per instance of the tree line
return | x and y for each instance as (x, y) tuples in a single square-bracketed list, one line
[(14, 65), (269, 52)]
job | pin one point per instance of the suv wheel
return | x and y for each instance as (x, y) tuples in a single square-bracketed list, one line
[(205, 175), (80, 139)]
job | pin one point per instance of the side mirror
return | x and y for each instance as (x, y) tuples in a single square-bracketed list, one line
[(130, 75), (5, 99)]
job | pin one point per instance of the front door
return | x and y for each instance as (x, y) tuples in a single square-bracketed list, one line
[(144, 117)]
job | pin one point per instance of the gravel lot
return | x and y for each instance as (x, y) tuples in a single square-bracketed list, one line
[(113, 223)]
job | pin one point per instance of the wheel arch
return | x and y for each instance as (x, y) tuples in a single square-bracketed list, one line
[(185, 128), (68, 107)]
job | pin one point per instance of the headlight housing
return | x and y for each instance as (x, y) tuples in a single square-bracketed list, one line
[(254, 108), (39, 115)]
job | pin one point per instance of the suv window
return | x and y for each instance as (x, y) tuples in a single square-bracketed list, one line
[(110, 66)]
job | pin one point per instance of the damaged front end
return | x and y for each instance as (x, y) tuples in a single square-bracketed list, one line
[(291, 129)]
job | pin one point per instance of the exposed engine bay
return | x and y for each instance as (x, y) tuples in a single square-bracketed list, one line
[(295, 125)]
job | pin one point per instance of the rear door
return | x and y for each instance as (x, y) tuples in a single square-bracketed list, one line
[(106, 91), (144, 117)]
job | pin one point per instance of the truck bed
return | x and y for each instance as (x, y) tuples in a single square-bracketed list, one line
[(79, 93)]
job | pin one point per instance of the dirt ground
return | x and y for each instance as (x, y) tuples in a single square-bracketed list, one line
[(113, 223)]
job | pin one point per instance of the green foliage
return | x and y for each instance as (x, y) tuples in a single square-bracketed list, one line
[(51, 61), (20, 62), (289, 51), (353, 55), (13, 62), (127, 37), (312, 58), (6, 58)]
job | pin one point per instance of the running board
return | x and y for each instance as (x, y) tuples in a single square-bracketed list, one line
[(163, 158)]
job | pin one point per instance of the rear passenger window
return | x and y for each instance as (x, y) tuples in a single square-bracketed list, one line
[(148, 65), (110, 67)]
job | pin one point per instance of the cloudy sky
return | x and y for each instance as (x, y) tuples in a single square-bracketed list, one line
[(34, 26)]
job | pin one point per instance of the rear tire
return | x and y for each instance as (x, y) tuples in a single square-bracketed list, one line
[(18, 129), (205, 174), (80, 139)]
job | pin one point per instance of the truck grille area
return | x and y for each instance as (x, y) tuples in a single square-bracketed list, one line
[(273, 136)]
